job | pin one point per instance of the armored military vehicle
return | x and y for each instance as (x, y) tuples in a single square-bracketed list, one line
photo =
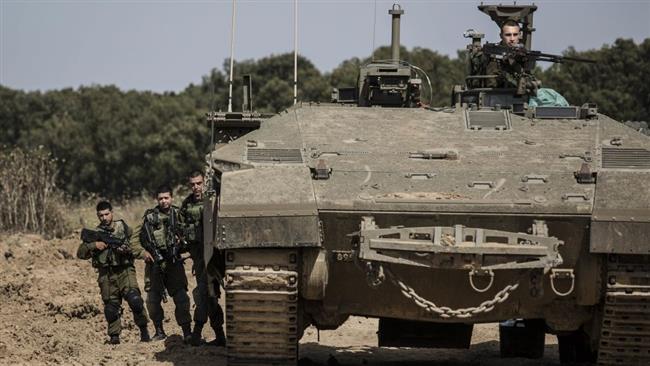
[(432, 220)]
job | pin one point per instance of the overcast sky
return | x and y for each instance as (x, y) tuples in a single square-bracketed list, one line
[(165, 45)]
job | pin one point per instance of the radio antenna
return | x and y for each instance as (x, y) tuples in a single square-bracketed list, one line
[(232, 54), (374, 28), (295, 52)]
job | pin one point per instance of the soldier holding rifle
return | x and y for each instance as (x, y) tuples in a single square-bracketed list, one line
[(207, 306), (112, 256), (508, 71), (508, 64), (161, 235)]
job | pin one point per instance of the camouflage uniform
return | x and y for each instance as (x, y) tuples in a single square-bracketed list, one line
[(170, 273), (117, 278), (509, 73), (206, 306)]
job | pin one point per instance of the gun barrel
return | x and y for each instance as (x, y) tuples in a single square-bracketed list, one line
[(560, 59), (579, 59), (500, 50)]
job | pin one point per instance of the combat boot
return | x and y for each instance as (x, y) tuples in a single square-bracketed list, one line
[(115, 339), (196, 335), (159, 334), (144, 334), (187, 333), (220, 339)]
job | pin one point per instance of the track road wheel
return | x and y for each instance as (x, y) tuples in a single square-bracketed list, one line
[(625, 330), (261, 288)]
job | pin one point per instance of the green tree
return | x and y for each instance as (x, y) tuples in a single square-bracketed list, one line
[(346, 74), (276, 70), (619, 81), (276, 95), (118, 144), (211, 93)]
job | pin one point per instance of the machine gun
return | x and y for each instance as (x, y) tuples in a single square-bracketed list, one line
[(526, 57), (116, 244)]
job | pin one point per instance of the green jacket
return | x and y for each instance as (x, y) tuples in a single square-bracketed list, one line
[(110, 257)]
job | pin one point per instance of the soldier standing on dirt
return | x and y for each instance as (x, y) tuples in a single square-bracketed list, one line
[(164, 272), (117, 279), (206, 306)]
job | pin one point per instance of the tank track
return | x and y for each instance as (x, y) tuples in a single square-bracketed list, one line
[(262, 307), (625, 331)]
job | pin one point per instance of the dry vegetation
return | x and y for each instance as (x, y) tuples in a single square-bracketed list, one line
[(31, 201)]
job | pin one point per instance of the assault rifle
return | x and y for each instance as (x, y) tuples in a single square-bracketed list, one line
[(151, 245), (521, 54), (117, 244), (173, 237)]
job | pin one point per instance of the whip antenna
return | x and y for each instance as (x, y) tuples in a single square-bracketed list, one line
[(374, 28), (295, 52), (232, 55)]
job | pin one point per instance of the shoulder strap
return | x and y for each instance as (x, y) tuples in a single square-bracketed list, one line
[(151, 216), (186, 202), (125, 227)]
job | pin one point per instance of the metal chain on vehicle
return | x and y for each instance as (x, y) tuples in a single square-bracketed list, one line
[(446, 312)]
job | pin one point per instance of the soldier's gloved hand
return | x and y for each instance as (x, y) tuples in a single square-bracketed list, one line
[(147, 257), (184, 247), (124, 249), (100, 245)]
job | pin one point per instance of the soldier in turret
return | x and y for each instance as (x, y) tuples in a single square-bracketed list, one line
[(508, 72), (116, 273), (161, 234), (510, 34), (207, 306)]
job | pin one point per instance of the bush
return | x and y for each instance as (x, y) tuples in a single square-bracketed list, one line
[(31, 200)]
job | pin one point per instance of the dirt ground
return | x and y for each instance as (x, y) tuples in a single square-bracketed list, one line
[(51, 313)]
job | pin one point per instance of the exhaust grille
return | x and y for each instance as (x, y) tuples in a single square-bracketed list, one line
[(557, 112), (616, 158), (488, 120), (258, 155)]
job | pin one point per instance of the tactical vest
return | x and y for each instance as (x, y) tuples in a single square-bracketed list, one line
[(192, 213), (160, 225), (110, 257)]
